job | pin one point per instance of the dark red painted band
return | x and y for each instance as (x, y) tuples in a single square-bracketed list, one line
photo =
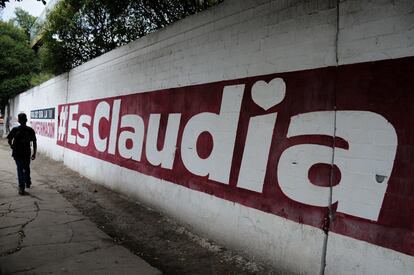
[(382, 87)]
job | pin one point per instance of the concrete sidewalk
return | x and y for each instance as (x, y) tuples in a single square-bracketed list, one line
[(42, 233)]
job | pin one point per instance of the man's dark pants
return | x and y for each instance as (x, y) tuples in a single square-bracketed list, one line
[(23, 172)]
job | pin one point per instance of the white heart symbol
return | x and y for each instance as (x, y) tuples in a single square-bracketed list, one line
[(267, 95)]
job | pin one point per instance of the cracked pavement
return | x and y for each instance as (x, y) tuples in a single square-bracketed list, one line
[(42, 233)]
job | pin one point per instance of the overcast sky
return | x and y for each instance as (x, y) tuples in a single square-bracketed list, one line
[(33, 7)]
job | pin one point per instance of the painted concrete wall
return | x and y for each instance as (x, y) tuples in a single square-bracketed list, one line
[(226, 121)]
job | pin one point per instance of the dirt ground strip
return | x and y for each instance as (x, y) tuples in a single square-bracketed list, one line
[(157, 239)]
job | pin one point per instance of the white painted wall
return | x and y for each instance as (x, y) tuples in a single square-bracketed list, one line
[(50, 94), (369, 31), (234, 40), (375, 30)]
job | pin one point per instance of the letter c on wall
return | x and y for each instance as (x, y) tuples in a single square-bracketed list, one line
[(101, 111)]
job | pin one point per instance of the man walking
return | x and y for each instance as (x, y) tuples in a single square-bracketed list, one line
[(19, 139)]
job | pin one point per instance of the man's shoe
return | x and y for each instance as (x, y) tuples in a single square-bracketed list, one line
[(28, 185), (21, 191)]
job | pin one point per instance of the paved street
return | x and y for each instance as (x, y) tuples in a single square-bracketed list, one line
[(42, 233)]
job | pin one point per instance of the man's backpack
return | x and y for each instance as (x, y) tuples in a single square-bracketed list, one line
[(22, 139)]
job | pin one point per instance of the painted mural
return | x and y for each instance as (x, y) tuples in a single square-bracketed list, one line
[(290, 144)]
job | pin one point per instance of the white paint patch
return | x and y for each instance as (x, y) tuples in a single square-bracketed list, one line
[(350, 256)]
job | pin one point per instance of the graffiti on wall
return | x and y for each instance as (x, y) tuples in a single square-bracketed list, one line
[(287, 144), (42, 121)]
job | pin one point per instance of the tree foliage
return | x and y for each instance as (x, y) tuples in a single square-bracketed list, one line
[(79, 30), (17, 61), (24, 20)]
